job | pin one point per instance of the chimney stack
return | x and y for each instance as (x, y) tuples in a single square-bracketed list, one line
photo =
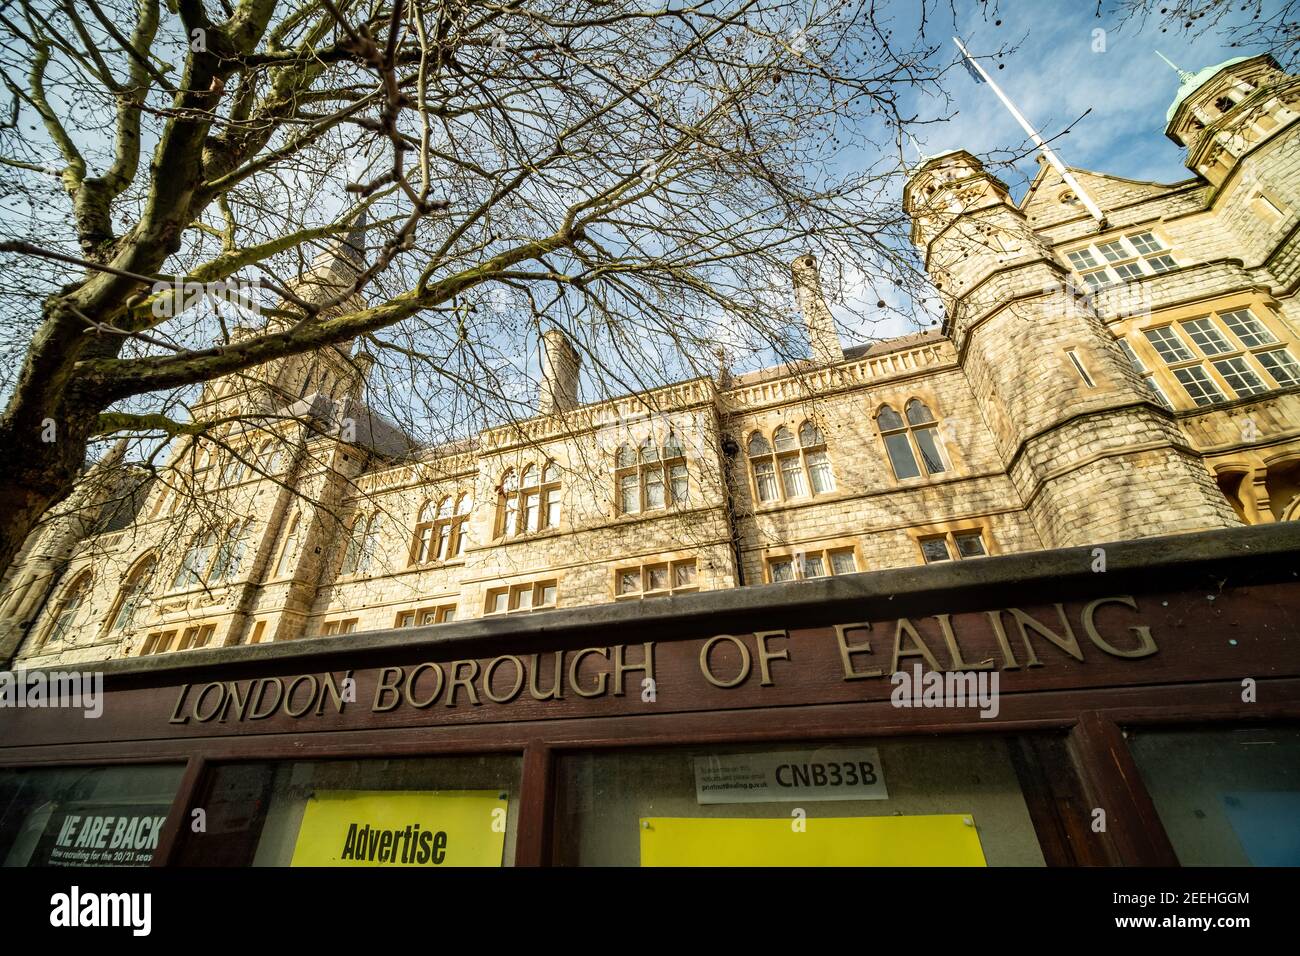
[(558, 390), (822, 337)]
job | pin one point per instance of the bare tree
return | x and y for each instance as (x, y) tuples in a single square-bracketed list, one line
[(1247, 26), (640, 177)]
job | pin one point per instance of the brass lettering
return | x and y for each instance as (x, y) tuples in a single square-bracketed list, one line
[(1008, 659), (1069, 643), (707, 670), (198, 704), (467, 682), (176, 717), (600, 678), (311, 699), (556, 692), (410, 685), (334, 692), (1146, 643), (921, 649), (847, 651), (954, 652), (647, 665), (240, 703), (261, 696), (764, 655), (388, 673), (519, 678)]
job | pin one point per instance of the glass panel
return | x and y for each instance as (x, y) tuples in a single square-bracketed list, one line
[(765, 478), (1097, 280), (553, 508), (359, 812), (1128, 270), (532, 510), (530, 476), (889, 419), (1249, 329), (1114, 250), (626, 456), (85, 816), (970, 544), (810, 435), (783, 439), (842, 562), (499, 600), (929, 445), (1227, 797), (901, 457), (1208, 338), (918, 413), (609, 805), (680, 485), (656, 577), (758, 445), (1162, 263), (819, 469), (792, 479), (1131, 355), (814, 566), (1082, 259), (1198, 385), (935, 549), (781, 569), (1281, 365), (654, 487), (1150, 381), (629, 494), (1168, 344), (522, 598), (1241, 378), (547, 595), (1144, 242), (684, 574), (672, 447), (649, 451), (629, 581)]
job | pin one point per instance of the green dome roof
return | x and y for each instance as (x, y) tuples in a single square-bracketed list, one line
[(1194, 81)]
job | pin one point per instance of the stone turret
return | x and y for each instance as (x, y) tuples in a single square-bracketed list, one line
[(1019, 333)]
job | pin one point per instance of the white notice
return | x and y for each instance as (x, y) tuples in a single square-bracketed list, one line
[(832, 773)]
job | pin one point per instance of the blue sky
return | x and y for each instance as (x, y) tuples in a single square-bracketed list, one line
[(1055, 77)]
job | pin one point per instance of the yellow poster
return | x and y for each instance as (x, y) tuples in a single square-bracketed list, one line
[(948, 839), (402, 828)]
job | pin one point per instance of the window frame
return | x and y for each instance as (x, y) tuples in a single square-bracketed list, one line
[(643, 571), (949, 537), (513, 495), (633, 471), (778, 462), (908, 430), (536, 589), (1104, 271), (798, 561)]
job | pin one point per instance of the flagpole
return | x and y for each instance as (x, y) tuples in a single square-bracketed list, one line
[(1093, 209)]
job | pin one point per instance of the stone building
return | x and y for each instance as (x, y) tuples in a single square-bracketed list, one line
[(1091, 383)]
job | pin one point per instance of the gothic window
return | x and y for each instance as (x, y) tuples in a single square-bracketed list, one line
[(651, 477), (527, 502), (233, 470), (194, 565), (289, 553), (69, 607), (911, 440), (134, 589), (268, 459), (788, 466), (363, 543), (440, 529), (230, 553)]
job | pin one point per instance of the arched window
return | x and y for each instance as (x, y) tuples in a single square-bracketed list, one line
[(230, 554), (910, 441), (802, 463), (268, 459), (363, 543), (69, 607), (194, 566), (233, 470), (289, 553), (134, 589), (530, 502), (651, 478), (423, 542)]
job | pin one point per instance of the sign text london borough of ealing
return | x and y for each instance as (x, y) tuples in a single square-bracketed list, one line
[(1006, 640)]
